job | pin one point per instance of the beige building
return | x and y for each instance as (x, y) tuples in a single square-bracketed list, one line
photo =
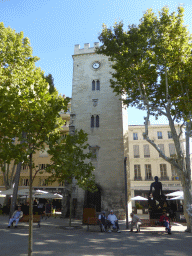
[(99, 112), (145, 162)]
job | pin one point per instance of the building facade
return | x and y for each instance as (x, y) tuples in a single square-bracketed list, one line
[(145, 162), (99, 112)]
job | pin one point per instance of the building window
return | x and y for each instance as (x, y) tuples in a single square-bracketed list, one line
[(137, 172), (97, 121), (25, 182), (159, 135), (170, 136), (98, 85), (136, 151), (135, 136), (42, 166), (172, 149), (146, 151), (62, 184), (94, 121), (174, 173), (148, 174), (93, 85), (161, 147), (163, 172), (25, 166), (43, 182)]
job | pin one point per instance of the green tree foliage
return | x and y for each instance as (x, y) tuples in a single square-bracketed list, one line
[(152, 65), (70, 159), (28, 112), (25, 102)]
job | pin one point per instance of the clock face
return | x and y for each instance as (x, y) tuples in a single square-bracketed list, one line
[(96, 65)]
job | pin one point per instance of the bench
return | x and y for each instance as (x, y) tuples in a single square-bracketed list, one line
[(151, 223), (92, 221), (36, 219)]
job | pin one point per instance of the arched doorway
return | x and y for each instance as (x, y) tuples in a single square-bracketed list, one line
[(93, 200)]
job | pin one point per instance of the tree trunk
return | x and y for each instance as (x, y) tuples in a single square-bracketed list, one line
[(15, 189), (16, 181), (70, 211), (30, 210)]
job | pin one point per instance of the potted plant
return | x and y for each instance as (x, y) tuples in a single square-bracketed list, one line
[(139, 208)]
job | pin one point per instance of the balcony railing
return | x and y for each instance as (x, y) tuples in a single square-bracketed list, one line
[(138, 178), (148, 178), (164, 178)]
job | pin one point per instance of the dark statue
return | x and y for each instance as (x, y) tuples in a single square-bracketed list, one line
[(157, 201), (156, 189)]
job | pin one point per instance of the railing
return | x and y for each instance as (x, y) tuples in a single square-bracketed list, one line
[(149, 178), (138, 178), (164, 178)]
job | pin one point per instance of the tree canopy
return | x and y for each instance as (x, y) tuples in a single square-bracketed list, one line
[(152, 68), (70, 159), (152, 62)]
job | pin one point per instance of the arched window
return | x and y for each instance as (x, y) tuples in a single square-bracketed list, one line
[(98, 85), (92, 121), (97, 121), (93, 85)]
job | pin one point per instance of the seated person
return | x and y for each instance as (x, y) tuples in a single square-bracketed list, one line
[(102, 221), (17, 215), (112, 221), (164, 220), (135, 222)]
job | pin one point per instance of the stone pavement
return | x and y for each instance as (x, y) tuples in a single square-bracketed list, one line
[(53, 238)]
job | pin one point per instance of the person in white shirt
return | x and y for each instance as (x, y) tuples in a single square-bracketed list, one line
[(112, 221), (17, 215), (135, 222)]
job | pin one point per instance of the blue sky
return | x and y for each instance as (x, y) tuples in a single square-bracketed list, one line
[(55, 26)]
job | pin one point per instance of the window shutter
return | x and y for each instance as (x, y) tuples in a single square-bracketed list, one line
[(146, 150), (172, 149), (136, 151)]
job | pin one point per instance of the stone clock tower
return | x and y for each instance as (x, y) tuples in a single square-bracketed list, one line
[(99, 112)]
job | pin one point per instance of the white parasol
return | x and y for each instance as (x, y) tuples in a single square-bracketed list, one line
[(139, 198)]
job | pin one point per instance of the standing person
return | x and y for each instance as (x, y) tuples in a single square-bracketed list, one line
[(164, 220), (102, 221), (112, 221), (135, 222), (17, 215)]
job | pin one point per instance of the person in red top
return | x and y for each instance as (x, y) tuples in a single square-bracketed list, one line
[(164, 220)]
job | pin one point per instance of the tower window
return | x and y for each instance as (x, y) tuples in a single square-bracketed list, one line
[(97, 121), (93, 85), (92, 121), (98, 85)]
